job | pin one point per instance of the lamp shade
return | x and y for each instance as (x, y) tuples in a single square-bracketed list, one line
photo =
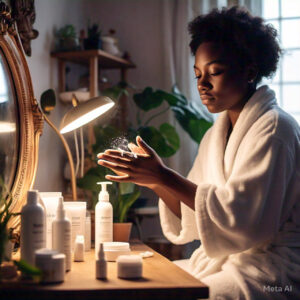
[(85, 113)]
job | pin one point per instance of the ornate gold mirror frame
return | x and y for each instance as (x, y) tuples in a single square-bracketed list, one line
[(30, 119)]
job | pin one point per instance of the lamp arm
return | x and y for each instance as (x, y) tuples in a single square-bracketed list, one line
[(70, 158)]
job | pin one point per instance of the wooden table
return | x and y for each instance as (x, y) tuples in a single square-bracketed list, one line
[(161, 280)]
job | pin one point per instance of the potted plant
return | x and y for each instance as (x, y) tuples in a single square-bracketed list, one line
[(93, 40), (164, 139), (66, 38)]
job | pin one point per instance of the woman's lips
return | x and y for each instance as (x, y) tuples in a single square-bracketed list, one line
[(206, 99)]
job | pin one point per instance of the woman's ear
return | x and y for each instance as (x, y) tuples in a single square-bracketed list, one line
[(252, 73)]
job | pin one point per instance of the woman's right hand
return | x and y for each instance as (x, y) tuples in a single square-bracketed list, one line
[(141, 166)]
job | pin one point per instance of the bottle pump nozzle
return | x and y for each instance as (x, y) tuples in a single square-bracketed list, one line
[(60, 208), (103, 195)]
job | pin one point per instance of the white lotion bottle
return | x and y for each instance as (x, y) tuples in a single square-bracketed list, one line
[(61, 234), (103, 218), (32, 227), (101, 264)]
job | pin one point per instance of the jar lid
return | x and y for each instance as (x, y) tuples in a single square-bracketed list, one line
[(129, 259), (45, 253), (116, 246)]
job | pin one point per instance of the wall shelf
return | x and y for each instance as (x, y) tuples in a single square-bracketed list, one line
[(96, 60), (105, 60)]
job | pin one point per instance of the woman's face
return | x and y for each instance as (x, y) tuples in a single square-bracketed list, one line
[(221, 86)]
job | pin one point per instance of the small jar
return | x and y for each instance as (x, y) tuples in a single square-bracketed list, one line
[(52, 265), (130, 266)]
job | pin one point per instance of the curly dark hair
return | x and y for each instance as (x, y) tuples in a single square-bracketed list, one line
[(246, 40)]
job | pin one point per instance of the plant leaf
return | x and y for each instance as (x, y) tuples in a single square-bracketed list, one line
[(148, 99), (26, 268), (157, 141), (126, 188), (176, 92), (172, 99), (170, 134), (115, 92), (127, 200), (104, 136), (194, 125), (91, 177)]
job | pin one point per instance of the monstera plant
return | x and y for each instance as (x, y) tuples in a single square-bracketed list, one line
[(164, 138)]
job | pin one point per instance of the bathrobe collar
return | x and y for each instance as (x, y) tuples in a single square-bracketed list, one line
[(258, 104)]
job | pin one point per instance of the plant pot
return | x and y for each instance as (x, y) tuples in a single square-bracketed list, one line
[(67, 44), (8, 271), (121, 232), (92, 44)]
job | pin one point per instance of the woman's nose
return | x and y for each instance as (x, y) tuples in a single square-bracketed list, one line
[(203, 84)]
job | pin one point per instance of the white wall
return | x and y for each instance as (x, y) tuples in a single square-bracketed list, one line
[(138, 28), (50, 15)]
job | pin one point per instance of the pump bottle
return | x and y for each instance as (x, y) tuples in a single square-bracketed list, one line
[(32, 227), (103, 218), (61, 234)]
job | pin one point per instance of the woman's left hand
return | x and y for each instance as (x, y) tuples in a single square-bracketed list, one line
[(142, 166)]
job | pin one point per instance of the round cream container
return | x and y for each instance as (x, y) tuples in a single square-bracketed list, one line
[(114, 249), (130, 266), (52, 265)]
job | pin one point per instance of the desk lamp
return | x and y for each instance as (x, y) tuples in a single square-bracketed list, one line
[(76, 117)]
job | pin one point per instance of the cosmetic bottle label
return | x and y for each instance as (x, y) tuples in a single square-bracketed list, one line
[(105, 226)]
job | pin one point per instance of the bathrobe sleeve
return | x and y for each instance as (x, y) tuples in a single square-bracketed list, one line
[(184, 230), (246, 210)]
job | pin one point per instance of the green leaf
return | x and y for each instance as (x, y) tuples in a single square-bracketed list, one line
[(194, 125), (90, 179), (48, 101), (127, 201), (115, 92), (126, 188), (170, 134), (68, 31), (148, 99), (26, 268), (176, 92), (104, 135), (197, 129), (157, 141), (170, 98)]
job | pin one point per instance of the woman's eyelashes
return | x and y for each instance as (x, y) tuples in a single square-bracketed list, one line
[(217, 73), (211, 74)]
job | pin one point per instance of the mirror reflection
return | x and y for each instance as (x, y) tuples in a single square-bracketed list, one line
[(9, 134)]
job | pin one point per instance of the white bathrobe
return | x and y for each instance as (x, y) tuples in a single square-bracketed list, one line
[(247, 205)]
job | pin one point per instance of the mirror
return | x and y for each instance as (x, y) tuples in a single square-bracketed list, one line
[(21, 121), (9, 124)]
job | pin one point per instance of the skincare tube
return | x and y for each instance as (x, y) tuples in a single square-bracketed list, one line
[(50, 201), (76, 213)]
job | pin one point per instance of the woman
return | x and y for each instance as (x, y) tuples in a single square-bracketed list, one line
[(242, 196)]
